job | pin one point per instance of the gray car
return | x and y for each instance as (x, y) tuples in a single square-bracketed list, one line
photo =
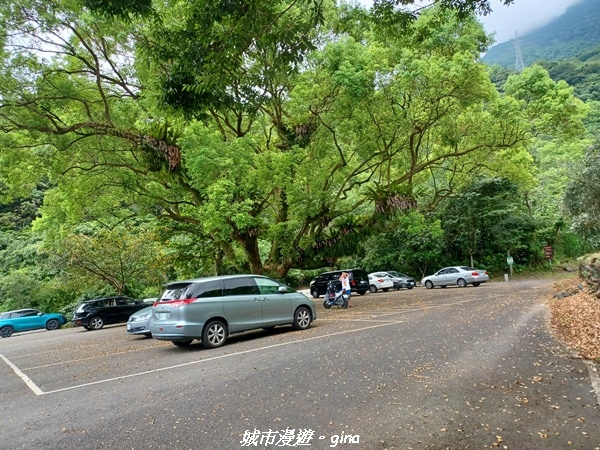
[(400, 280), (213, 308), (139, 322), (456, 275)]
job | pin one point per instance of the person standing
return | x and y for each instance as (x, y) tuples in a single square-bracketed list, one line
[(345, 279)]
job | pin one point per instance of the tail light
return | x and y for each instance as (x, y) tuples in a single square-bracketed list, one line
[(178, 303)]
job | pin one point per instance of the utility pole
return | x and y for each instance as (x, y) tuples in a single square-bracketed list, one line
[(519, 58)]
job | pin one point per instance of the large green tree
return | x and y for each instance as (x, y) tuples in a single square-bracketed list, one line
[(273, 155)]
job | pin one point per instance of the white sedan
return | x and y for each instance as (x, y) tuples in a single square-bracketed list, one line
[(379, 281), (457, 275)]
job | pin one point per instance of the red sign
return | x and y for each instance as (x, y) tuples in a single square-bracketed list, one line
[(549, 251)]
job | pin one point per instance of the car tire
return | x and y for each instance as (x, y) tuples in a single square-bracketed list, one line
[(461, 282), (6, 331), (214, 334), (476, 284), (362, 292), (96, 323), (302, 318), (396, 286), (409, 287), (372, 289), (52, 324), (429, 284), (182, 343), (326, 304), (314, 293)]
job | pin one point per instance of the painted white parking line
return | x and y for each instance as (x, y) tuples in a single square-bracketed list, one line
[(594, 378), (36, 390)]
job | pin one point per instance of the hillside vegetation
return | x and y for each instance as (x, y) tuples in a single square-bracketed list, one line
[(565, 37)]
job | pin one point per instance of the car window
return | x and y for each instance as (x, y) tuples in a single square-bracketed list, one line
[(358, 274), (174, 292), (239, 286), (267, 286), (30, 312), (453, 270), (121, 302), (206, 289)]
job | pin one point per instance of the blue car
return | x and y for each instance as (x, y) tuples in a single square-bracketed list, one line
[(28, 319)]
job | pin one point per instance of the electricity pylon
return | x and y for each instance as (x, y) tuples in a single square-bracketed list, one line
[(519, 58)]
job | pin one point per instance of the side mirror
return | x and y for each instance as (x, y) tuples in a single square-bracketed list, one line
[(282, 289)]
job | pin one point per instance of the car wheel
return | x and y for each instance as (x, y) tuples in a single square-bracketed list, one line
[(302, 318), (409, 287), (214, 334), (326, 304), (362, 292), (314, 293), (396, 286), (429, 284), (476, 284), (52, 324), (461, 282), (96, 323), (385, 289), (182, 343), (372, 288), (6, 332)]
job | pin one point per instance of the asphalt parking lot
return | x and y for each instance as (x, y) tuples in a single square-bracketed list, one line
[(396, 368), (72, 358)]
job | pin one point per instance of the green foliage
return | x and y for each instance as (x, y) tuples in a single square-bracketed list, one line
[(119, 8), (120, 258), (413, 245), (212, 137), (487, 222), (582, 197)]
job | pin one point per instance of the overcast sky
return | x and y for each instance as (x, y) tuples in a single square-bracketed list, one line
[(522, 16)]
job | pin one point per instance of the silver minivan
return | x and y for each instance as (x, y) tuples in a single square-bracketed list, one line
[(212, 308)]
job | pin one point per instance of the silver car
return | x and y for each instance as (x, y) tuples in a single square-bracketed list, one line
[(213, 308), (139, 322), (457, 275)]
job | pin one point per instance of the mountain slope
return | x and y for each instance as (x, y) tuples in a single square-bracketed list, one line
[(572, 33)]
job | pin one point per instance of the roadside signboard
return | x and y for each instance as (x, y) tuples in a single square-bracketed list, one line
[(548, 251), (509, 260)]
